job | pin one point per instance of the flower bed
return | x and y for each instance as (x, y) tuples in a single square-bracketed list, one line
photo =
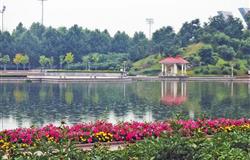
[(100, 131)]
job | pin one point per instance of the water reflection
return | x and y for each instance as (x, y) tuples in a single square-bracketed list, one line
[(20, 94), (173, 93), (24, 104)]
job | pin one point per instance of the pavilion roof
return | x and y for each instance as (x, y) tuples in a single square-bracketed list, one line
[(174, 60)]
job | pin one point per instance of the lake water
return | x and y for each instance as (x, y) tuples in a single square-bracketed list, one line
[(26, 104)]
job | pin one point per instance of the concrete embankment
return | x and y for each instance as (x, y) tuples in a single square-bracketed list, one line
[(36, 75), (108, 79)]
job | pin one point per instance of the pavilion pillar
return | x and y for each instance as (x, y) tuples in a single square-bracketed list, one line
[(166, 69), (175, 69), (185, 69), (171, 70), (182, 69), (162, 69)]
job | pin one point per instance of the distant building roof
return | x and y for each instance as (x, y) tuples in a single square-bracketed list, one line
[(244, 11), (174, 60), (225, 14)]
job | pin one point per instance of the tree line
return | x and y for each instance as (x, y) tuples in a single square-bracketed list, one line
[(60, 47)]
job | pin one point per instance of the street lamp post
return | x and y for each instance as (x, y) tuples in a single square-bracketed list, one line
[(2, 12), (42, 9), (150, 22)]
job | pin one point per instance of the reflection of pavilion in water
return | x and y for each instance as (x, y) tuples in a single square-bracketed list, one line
[(173, 93)]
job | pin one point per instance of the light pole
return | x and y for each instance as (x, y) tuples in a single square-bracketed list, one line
[(42, 9), (2, 12), (150, 22)]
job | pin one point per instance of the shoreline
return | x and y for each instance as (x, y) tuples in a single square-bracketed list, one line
[(125, 79)]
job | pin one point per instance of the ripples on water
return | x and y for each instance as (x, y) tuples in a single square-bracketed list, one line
[(24, 104)]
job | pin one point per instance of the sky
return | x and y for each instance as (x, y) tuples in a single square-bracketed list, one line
[(114, 15)]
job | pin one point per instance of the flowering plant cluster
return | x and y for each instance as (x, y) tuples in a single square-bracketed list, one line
[(101, 131), (211, 126)]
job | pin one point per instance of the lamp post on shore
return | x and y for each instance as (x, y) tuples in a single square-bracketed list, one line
[(2, 12), (42, 9)]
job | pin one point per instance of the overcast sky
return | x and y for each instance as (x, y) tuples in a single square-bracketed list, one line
[(124, 15)]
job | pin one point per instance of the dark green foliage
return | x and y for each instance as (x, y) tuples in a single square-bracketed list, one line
[(207, 55), (245, 46), (164, 41), (139, 46), (226, 38), (230, 26), (120, 42), (226, 52), (189, 32)]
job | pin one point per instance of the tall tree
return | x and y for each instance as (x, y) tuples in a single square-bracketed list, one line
[(165, 41), (37, 30), (7, 44), (139, 46), (77, 39), (231, 26), (189, 32), (120, 42), (99, 41)]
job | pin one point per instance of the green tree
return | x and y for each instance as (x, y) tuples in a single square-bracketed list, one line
[(207, 55), (43, 60), (5, 60), (189, 32), (95, 58), (230, 26), (69, 58), (24, 60), (99, 42), (139, 46), (245, 47), (165, 41), (226, 52), (17, 59), (120, 42)]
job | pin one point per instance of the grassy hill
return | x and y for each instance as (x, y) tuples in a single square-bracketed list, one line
[(150, 65), (147, 66)]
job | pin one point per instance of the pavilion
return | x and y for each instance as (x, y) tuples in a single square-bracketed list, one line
[(169, 66)]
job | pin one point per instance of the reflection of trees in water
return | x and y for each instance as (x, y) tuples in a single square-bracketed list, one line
[(20, 94), (43, 103), (68, 95), (42, 93), (224, 99)]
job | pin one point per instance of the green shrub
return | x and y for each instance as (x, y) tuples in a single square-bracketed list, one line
[(205, 71), (226, 71)]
